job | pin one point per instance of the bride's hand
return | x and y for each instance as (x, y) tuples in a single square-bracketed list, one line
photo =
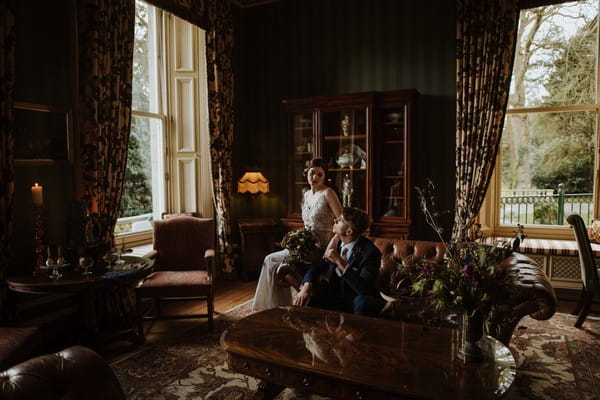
[(333, 243)]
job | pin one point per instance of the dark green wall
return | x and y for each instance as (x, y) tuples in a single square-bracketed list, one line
[(287, 49), (43, 75), (300, 48)]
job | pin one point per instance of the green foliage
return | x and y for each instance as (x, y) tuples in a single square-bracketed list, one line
[(467, 279), (541, 150), (545, 213), (137, 185)]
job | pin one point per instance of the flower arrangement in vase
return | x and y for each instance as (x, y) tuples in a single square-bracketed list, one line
[(468, 280)]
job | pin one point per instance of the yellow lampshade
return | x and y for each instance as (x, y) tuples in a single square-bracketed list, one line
[(253, 182)]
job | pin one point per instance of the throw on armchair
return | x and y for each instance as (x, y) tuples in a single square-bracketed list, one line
[(71, 374), (530, 293)]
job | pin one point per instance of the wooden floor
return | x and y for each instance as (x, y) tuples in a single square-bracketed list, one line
[(228, 294)]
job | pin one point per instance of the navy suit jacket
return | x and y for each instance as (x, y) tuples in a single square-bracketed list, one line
[(360, 276)]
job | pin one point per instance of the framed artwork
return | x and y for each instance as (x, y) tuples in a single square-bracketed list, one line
[(43, 134)]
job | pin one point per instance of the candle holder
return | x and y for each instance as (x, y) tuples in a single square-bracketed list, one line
[(38, 235)]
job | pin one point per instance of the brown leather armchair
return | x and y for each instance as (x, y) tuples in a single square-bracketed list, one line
[(18, 344), (184, 267), (530, 293), (71, 374)]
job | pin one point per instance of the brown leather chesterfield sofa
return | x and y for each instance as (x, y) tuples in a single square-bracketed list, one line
[(530, 293), (74, 373)]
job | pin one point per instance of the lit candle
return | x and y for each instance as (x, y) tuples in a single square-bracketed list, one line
[(37, 195)]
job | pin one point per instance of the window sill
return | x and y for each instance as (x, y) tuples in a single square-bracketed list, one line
[(548, 246)]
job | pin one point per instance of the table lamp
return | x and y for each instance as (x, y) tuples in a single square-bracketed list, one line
[(253, 182)]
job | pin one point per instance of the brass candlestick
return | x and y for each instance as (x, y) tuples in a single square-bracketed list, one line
[(38, 235)]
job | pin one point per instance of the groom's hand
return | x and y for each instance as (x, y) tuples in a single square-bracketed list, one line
[(303, 296), (334, 257)]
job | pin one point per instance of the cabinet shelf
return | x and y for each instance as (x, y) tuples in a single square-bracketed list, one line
[(349, 137), (380, 128), (348, 169)]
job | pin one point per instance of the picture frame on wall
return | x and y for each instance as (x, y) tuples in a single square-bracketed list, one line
[(42, 134)]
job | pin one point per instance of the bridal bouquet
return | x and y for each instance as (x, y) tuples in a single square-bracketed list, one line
[(302, 245)]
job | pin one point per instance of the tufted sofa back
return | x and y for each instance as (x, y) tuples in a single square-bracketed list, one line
[(394, 251)]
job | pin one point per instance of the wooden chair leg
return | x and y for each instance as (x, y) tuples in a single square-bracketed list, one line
[(210, 310), (140, 318), (579, 303), (585, 309)]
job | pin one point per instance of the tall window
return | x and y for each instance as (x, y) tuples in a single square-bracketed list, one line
[(167, 159), (547, 159)]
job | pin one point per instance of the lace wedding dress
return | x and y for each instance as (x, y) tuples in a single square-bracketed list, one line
[(316, 215)]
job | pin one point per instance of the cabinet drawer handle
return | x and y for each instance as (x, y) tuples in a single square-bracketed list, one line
[(305, 382), (246, 365), (268, 371), (359, 395)]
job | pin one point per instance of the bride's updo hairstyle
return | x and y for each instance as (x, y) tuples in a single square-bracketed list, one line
[(320, 163), (316, 163)]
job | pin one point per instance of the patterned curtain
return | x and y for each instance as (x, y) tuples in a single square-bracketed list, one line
[(486, 37), (215, 17), (106, 29), (219, 58), (7, 173)]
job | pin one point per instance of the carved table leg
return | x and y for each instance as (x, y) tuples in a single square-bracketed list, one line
[(267, 391)]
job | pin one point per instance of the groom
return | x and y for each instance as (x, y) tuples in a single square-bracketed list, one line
[(352, 262)]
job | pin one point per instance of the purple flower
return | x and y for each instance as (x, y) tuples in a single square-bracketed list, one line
[(427, 271), (467, 270)]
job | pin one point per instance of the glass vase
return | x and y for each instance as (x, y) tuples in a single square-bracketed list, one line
[(471, 334)]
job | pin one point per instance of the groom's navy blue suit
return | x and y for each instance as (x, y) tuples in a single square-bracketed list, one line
[(356, 290)]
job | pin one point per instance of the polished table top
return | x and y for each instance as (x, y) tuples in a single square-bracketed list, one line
[(73, 281), (392, 356)]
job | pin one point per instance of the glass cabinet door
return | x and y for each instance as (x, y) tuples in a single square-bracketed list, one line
[(303, 149), (392, 163), (344, 136)]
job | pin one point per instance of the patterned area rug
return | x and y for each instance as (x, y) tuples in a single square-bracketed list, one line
[(554, 360)]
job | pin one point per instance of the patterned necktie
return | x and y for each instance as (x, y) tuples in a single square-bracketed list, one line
[(345, 253)]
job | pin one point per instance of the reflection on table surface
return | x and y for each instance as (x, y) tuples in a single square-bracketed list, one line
[(394, 356)]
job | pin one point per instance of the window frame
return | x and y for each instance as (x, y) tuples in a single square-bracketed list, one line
[(489, 215), (168, 40)]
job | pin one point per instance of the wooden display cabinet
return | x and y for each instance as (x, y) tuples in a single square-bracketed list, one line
[(365, 140)]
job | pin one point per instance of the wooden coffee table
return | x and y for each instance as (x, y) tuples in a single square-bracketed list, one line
[(351, 357)]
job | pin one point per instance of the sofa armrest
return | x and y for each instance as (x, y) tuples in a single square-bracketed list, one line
[(74, 373), (532, 293)]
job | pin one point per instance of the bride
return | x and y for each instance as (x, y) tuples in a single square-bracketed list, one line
[(320, 205)]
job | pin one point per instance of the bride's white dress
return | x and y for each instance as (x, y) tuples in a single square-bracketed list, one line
[(317, 215)]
